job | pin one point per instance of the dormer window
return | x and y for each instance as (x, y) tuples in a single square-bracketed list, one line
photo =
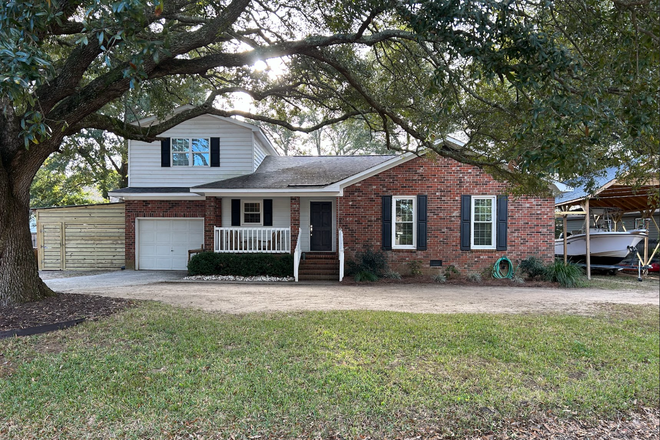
[(188, 152)]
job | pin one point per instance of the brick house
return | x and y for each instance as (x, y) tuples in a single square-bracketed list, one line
[(218, 182)]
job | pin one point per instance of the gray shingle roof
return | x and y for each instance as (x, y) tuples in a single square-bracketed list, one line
[(278, 172), (152, 190)]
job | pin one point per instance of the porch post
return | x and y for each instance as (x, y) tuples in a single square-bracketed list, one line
[(295, 222), (212, 218)]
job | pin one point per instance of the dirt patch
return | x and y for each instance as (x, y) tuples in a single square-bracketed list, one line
[(59, 308)]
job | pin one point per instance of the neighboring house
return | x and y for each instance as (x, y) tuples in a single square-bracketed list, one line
[(218, 182)]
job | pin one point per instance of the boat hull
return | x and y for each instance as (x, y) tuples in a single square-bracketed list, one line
[(607, 248)]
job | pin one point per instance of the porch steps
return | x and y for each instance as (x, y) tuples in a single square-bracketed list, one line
[(319, 266)]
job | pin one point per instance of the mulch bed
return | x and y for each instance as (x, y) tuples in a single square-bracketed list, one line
[(60, 308)]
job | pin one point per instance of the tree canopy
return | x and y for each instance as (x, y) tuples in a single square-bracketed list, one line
[(557, 89)]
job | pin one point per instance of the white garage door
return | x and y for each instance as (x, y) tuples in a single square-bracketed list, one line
[(164, 244)]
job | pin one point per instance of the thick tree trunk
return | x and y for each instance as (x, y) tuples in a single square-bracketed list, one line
[(19, 275)]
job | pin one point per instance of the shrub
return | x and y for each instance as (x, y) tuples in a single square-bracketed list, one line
[(533, 267), (374, 262), (474, 277), (392, 275), (439, 278), (365, 276), (451, 272), (567, 276), (245, 265), (415, 268)]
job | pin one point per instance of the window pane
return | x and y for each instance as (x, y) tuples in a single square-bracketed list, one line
[(403, 234), (252, 207), (180, 145), (201, 159), (252, 212), (200, 145), (180, 159), (483, 210), (404, 210), (483, 234)]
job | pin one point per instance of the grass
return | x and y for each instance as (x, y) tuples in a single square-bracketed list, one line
[(161, 372)]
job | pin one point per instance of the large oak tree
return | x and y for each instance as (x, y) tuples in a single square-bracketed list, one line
[(524, 79)]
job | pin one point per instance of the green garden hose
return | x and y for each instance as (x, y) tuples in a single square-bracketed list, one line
[(496, 269)]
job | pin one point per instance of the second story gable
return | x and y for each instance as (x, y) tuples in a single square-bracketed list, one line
[(203, 149)]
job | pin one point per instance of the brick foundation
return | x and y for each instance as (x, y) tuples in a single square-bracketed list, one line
[(530, 219)]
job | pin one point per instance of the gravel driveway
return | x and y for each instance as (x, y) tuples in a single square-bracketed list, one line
[(420, 298)]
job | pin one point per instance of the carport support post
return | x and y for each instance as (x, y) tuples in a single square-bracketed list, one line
[(565, 239), (588, 224)]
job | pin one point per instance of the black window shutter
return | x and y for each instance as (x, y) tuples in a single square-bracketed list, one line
[(165, 155), (387, 222), (235, 212), (215, 152), (268, 212), (421, 222), (466, 214), (502, 215)]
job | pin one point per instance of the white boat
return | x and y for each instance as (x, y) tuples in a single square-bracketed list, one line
[(607, 247)]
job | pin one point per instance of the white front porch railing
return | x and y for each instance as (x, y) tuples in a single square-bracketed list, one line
[(341, 255), (296, 257), (252, 240)]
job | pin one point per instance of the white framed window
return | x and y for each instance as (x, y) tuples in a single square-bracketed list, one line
[(195, 152), (252, 212), (483, 220), (404, 216)]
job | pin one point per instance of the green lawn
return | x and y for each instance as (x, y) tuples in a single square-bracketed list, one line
[(158, 372)]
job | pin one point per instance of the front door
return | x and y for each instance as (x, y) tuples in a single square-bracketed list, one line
[(320, 232)]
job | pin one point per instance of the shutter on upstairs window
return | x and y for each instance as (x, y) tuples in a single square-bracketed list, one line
[(466, 211), (421, 222), (502, 215), (235, 212), (165, 155), (215, 152), (387, 223), (268, 212)]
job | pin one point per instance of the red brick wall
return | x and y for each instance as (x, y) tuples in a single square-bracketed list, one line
[(295, 222), (212, 219), (530, 220), (156, 209)]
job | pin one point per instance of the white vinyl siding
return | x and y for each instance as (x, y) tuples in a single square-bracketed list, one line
[(483, 222), (281, 210), (236, 155), (260, 153), (305, 222)]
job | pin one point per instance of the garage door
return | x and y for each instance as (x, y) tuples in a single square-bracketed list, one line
[(164, 244)]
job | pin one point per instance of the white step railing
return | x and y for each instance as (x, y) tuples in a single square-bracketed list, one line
[(252, 240), (341, 255), (296, 257)]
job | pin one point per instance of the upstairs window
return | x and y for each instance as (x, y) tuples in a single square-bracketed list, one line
[(483, 222), (194, 152)]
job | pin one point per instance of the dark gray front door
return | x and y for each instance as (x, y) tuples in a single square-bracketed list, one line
[(321, 226)]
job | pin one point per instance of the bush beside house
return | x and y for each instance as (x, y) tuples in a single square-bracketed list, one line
[(245, 265)]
